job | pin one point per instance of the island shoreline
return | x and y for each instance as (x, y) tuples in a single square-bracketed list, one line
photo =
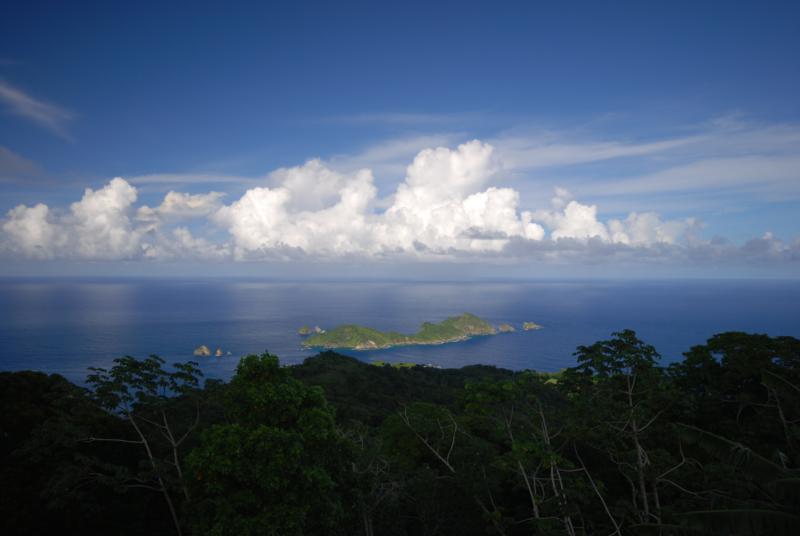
[(451, 330)]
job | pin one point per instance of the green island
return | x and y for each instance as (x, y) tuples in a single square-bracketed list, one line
[(355, 337)]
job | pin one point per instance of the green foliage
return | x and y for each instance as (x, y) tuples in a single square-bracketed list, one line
[(368, 394), (45, 470), (136, 385), (354, 336), (163, 409), (511, 415), (615, 445), (399, 365), (737, 385), (623, 355), (453, 328), (775, 511), (739, 457), (276, 466)]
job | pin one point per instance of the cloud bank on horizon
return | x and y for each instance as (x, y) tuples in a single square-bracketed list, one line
[(450, 206)]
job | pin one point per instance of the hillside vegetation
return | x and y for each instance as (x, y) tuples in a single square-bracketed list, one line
[(616, 444), (453, 329)]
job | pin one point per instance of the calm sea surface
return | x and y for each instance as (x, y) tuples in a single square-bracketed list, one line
[(67, 326)]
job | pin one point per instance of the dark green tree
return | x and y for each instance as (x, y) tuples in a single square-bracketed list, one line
[(162, 408), (277, 466), (618, 395), (37, 457), (725, 390), (447, 487), (521, 416), (774, 500)]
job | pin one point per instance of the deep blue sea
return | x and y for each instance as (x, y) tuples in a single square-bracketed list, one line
[(67, 326)]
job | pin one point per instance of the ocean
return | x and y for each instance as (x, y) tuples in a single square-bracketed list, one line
[(65, 326)]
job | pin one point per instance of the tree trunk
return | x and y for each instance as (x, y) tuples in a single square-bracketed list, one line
[(163, 486), (640, 463), (367, 519), (175, 458), (640, 454)]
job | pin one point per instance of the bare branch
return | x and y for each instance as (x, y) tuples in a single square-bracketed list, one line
[(599, 495), (657, 415), (676, 466), (194, 425), (110, 440), (434, 451)]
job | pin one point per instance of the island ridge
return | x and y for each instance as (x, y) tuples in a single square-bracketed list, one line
[(355, 337)]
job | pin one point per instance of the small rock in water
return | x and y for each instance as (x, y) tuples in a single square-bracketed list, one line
[(218, 353), (506, 328), (528, 326), (202, 351)]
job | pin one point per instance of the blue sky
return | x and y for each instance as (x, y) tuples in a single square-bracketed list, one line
[(684, 112)]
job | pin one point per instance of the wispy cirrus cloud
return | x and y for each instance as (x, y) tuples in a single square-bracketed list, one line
[(526, 153), (760, 174), (716, 166), (712, 165), (404, 119), (166, 181), (758, 161), (46, 115), (14, 167)]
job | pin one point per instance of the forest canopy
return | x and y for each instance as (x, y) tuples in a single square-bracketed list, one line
[(617, 444)]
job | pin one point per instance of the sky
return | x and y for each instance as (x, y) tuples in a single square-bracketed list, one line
[(413, 139)]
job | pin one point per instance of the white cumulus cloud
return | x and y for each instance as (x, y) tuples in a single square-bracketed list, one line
[(440, 207), (96, 227), (104, 225), (449, 205), (100, 227), (31, 232), (294, 216), (647, 228), (569, 219)]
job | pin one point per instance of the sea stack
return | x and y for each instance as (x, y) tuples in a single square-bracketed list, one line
[(202, 351), (528, 326)]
